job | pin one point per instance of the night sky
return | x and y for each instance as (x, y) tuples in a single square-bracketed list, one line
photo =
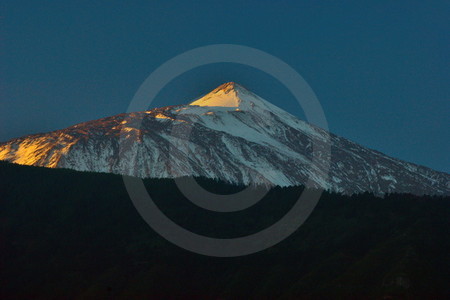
[(380, 69)]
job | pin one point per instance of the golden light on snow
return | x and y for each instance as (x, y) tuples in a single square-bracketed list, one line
[(161, 116), (35, 151), (223, 96)]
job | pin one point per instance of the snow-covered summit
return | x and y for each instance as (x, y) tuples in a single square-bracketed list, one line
[(229, 94), (234, 96)]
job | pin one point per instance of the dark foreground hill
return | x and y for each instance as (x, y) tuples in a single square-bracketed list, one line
[(66, 234)]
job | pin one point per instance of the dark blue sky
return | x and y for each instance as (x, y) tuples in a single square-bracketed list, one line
[(380, 69)]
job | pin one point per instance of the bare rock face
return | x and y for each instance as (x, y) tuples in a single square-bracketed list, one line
[(229, 134)]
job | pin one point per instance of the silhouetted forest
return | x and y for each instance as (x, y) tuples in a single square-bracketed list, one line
[(67, 234)]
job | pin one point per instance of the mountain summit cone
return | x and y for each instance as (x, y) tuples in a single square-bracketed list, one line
[(232, 95)]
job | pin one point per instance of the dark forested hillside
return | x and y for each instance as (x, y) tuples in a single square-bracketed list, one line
[(67, 234)]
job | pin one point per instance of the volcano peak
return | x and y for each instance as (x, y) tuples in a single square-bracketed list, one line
[(229, 94), (229, 86)]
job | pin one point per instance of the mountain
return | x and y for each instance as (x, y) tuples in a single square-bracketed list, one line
[(229, 134)]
